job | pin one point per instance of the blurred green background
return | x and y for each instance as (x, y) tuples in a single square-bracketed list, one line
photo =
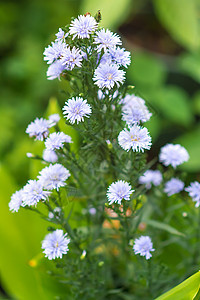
[(164, 39)]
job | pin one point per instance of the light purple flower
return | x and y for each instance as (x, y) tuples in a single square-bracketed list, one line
[(105, 39), (33, 192), (61, 35), (194, 192), (55, 70), (53, 176), (16, 201), (151, 177), (134, 110), (76, 109), (83, 26), (71, 58), (143, 246), (55, 244), (50, 156), (56, 140), (56, 213), (173, 186), (39, 129), (106, 76), (118, 191), (53, 52), (54, 119), (173, 155), (120, 56), (101, 95), (136, 137)]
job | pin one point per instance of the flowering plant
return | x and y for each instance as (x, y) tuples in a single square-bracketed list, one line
[(120, 199)]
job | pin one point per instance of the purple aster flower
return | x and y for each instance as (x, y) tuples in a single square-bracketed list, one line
[(173, 155), (71, 58), (55, 244), (50, 156), (33, 192), (119, 190), (39, 129), (120, 56), (134, 110), (151, 177), (16, 201), (143, 246), (55, 70), (56, 140), (136, 137), (83, 26), (173, 186), (194, 192), (106, 76), (53, 52), (54, 119), (76, 109), (61, 35), (105, 39), (53, 176), (92, 211)]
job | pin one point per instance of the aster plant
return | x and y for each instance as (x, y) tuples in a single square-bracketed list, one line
[(105, 183)]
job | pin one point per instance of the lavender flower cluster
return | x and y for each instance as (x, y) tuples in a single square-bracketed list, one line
[(102, 49)]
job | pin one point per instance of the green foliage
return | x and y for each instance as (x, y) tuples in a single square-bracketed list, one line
[(181, 19), (184, 291)]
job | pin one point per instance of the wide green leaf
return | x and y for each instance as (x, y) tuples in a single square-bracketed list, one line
[(187, 290), (180, 18), (191, 141)]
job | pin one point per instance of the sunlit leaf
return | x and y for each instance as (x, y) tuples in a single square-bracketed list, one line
[(187, 290)]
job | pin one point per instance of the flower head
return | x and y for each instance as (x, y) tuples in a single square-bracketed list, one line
[(56, 140), (134, 110), (76, 109), (120, 56), (55, 70), (106, 76), (71, 58), (194, 191), (55, 244), (53, 176), (173, 186), (151, 177), (173, 155), (50, 156), (39, 129), (105, 39), (16, 201), (61, 35), (53, 52), (136, 137), (33, 192), (54, 119), (119, 190), (143, 246), (83, 26)]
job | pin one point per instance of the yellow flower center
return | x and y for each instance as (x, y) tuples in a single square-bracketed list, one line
[(134, 139), (109, 76)]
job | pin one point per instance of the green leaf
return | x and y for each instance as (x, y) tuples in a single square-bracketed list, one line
[(113, 12), (174, 104), (180, 18), (191, 141), (163, 226), (190, 64), (146, 70), (187, 290)]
